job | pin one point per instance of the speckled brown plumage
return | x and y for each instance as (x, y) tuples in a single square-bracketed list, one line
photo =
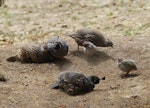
[(92, 36), (74, 83), (126, 65), (39, 53), (35, 53)]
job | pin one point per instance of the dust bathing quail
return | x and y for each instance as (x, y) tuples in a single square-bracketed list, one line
[(92, 36), (126, 65), (39, 53), (74, 83)]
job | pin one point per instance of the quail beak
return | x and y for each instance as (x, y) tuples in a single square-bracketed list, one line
[(103, 78)]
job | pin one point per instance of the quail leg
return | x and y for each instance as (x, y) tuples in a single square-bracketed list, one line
[(127, 73), (78, 48), (78, 52)]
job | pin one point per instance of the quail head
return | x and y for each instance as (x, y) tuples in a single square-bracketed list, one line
[(59, 47)]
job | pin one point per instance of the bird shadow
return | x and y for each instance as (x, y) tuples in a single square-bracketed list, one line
[(84, 93), (76, 53), (81, 94), (124, 76), (98, 90), (95, 59), (62, 63)]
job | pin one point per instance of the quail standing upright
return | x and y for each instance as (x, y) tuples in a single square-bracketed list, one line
[(74, 83), (126, 65), (92, 36)]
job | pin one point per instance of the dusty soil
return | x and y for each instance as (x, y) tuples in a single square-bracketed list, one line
[(126, 23)]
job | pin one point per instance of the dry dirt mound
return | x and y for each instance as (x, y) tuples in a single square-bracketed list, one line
[(28, 84), (125, 22)]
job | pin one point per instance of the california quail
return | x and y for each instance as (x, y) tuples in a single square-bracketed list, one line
[(74, 83), (40, 53), (126, 65), (92, 36)]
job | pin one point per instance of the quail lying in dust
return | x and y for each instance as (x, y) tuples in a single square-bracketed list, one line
[(126, 65), (39, 53), (92, 36), (74, 83)]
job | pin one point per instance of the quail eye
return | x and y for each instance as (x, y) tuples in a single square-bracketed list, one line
[(57, 46)]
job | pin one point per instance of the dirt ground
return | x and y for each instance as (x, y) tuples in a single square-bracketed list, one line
[(125, 22)]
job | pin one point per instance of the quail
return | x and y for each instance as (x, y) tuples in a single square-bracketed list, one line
[(74, 83), (126, 65), (92, 36), (39, 53)]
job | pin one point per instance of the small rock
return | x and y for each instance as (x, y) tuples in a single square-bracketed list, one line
[(64, 26)]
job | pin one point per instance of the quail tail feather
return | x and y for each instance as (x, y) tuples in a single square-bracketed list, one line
[(55, 85), (12, 59)]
